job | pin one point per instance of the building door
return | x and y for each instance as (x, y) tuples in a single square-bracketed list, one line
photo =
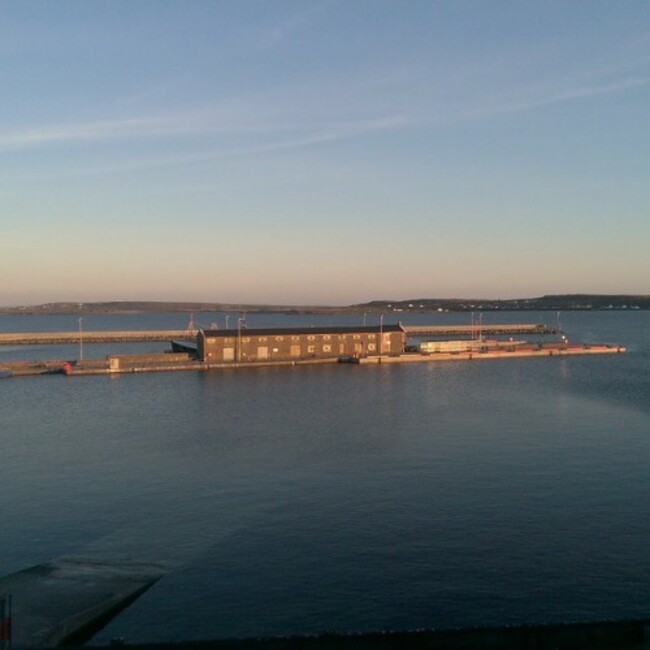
[(262, 352), (294, 351), (229, 354)]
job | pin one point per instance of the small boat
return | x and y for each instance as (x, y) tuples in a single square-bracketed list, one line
[(5, 373), (348, 358)]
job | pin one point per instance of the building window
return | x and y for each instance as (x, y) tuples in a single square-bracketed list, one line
[(246, 339), (356, 336), (311, 349), (295, 338), (326, 337), (311, 337), (371, 347), (279, 338), (262, 339), (327, 348), (371, 336)]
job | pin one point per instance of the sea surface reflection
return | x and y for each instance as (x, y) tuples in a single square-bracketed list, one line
[(349, 498)]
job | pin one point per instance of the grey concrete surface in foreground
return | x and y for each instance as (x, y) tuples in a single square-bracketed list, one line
[(58, 601), (67, 600)]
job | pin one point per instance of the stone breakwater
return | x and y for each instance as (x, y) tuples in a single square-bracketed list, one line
[(62, 338), (143, 336)]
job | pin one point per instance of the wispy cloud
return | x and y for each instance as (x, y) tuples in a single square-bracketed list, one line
[(276, 34), (142, 127), (275, 139), (319, 110), (537, 100), (226, 122)]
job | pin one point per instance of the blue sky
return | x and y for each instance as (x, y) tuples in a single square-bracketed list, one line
[(323, 152)]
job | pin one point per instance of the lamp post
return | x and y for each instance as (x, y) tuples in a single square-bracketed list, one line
[(81, 342), (381, 335), (240, 322)]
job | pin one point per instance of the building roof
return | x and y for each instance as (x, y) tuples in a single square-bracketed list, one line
[(288, 331)]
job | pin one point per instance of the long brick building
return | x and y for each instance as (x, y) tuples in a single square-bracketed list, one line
[(295, 344)]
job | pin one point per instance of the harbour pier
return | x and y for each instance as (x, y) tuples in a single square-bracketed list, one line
[(256, 348), (131, 364)]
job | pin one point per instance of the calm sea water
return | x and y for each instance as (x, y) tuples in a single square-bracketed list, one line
[(347, 498)]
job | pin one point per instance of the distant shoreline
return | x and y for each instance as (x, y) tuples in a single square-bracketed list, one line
[(569, 302)]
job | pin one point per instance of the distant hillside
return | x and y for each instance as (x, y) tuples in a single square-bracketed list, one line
[(132, 307), (569, 302)]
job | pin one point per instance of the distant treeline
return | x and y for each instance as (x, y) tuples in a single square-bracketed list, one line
[(138, 307), (570, 302)]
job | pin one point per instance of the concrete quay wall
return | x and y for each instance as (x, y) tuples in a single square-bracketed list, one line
[(27, 368), (501, 353), (104, 368)]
